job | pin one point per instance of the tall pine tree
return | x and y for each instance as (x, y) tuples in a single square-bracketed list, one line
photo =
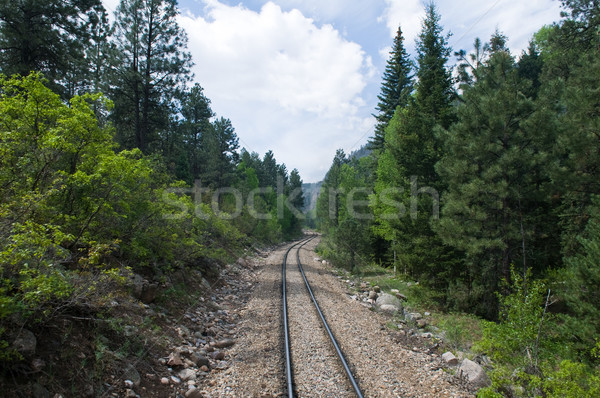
[(396, 89), (48, 36), (495, 165), (151, 65), (407, 183)]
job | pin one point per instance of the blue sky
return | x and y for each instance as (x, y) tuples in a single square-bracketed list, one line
[(301, 77)]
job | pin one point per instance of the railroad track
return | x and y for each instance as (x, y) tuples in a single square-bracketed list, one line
[(290, 367)]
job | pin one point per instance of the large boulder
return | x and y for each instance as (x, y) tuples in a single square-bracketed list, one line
[(143, 290), (474, 373), (386, 301)]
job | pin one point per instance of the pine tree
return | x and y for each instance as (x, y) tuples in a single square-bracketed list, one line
[(48, 36), (183, 150), (581, 286), (406, 175), (434, 92), (495, 166), (218, 149), (152, 64), (328, 205), (396, 89)]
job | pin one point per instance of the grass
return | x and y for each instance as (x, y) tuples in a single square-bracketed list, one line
[(461, 330)]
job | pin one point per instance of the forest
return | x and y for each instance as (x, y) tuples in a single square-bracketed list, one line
[(113, 163), (481, 181), (482, 185)]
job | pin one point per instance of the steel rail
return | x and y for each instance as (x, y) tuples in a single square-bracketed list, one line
[(286, 332), (329, 332)]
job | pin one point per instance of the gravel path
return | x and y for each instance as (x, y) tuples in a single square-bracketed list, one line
[(383, 367), (258, 365)]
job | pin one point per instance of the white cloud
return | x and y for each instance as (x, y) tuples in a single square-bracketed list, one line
[(475, 18), (408, 14), (286, 83)]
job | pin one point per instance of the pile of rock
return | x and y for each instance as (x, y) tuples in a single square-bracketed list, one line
[(467, 369), (390, 304), (415, 324)]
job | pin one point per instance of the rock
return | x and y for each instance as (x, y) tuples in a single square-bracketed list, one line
[(401, 296), (37, 365), (39, 391), (25, 343), (200, 360), (372, 295), (388, 309), (218, 355), (129, 393), (187, 374), (377, 289), (413, 316), (427, 313), (474, 373), (128, 383), (164, 380), (143, 290), (449, 359), (131, 374), (421, 323), (175, 359), (175, 380), (394, 291), (225, 343), (194, 393), (388, 299)]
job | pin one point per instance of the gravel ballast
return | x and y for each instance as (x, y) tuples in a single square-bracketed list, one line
[(382, 365)]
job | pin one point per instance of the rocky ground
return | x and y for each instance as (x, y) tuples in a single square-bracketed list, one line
[(387, 363), (228, 341)]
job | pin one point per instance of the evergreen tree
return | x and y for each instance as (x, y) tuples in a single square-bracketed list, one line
[(579, 283), (496, 165), (579, 148), (406, 175), (48, 36), (434, 92), (296, 188), (395, 90), (219, 145), (183, 150), (267, 174), (328, 205), (151, 65), (530, 67)]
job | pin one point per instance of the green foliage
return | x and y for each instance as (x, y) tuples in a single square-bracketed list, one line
[(71, 208), (496, 167), (524, 347), (572, 380), (579, 284), (516, 338)]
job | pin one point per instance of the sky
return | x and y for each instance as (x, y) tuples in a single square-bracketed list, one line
[(301, 77)]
